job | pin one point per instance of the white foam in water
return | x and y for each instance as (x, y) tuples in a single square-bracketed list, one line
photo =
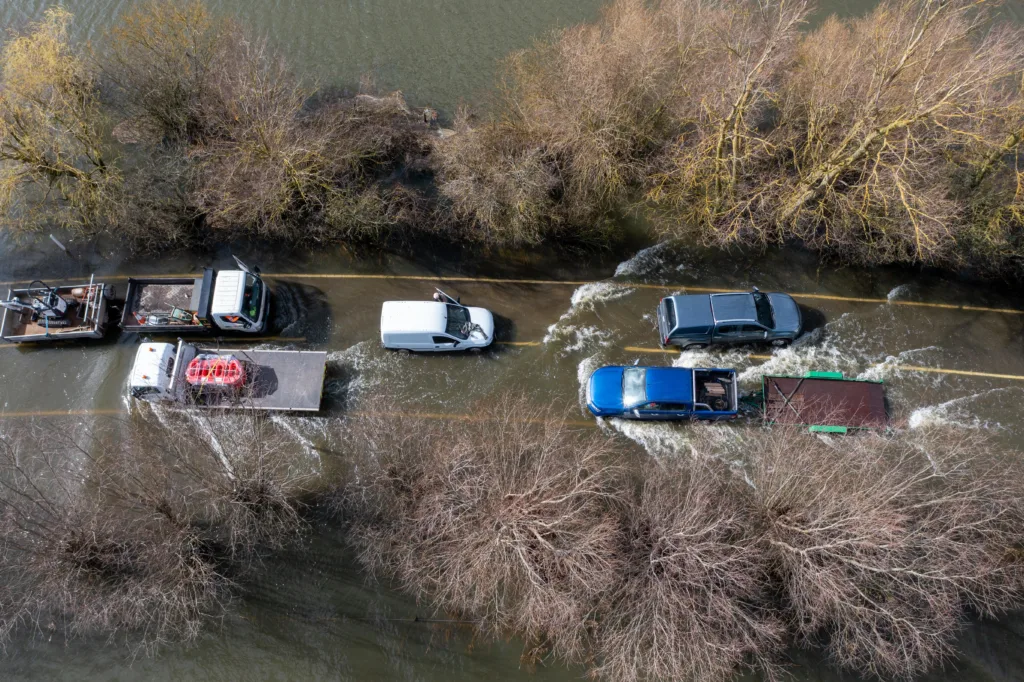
[(290, 424), (643, 262), (899, 293), (659, 439), (953, 413), (586, 297), (889, 368), (583, 371), (592, 293)]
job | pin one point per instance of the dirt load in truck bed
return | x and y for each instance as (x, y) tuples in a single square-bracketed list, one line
[(160, 298)]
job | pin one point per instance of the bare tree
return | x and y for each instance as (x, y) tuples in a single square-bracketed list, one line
[(137, 530), (56, 165), (581, 112), (882, 544), (694, 596), (506, 520), (733, 55), (877, 102)]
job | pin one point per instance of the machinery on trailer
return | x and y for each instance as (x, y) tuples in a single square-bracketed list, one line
[(824, 402), (45, 313), (228, 300), (281, 380)]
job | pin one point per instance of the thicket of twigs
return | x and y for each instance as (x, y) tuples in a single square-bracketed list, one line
[(219, 137), (876, 548), (891, 137), (137, 531)]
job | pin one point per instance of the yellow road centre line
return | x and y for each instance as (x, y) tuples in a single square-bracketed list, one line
[(902, 368), (553, 282)]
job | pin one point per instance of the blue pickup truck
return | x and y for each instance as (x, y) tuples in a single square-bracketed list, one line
[(700, 320), (658, 393)]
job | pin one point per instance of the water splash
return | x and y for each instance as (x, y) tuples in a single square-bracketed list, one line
[(957, 412), (899, 293), (644, 262)]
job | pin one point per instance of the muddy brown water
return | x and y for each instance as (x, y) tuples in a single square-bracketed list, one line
[(315, 616)]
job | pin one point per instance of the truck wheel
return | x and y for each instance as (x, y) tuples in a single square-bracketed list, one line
[(475, 350), (781, 343), (695, 346)]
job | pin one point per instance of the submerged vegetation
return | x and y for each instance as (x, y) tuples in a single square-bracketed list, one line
[(876, 549), (890, 137), (135, 530)]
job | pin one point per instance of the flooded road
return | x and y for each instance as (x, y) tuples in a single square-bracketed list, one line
[(318, 619)]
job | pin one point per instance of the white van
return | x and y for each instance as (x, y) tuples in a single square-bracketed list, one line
[(443, 324)]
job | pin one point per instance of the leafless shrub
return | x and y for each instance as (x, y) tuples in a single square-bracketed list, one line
[(506, 520), (54, 162), (693, 600), (581, 113), (264, 152), (136, 531), (499, 182), (164, 59), (883, 543)]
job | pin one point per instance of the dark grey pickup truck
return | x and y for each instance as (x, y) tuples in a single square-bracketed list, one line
[(700, 320)]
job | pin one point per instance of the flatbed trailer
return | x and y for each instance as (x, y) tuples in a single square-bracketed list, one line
[(276, 380), (824, 402), (44, 313)]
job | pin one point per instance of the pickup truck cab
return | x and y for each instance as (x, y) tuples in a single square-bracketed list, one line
[(662, 393), (443, 324), (701, 320)]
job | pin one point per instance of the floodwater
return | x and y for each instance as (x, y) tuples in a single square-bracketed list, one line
[(316, 617)]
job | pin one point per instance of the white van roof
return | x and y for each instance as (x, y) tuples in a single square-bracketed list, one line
[(413, 316), (228, 291)]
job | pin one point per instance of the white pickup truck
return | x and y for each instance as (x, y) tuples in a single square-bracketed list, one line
[(443, 324), (228, 300), (281, 380)]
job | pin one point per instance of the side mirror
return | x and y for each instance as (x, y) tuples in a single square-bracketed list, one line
[(755, 289)]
